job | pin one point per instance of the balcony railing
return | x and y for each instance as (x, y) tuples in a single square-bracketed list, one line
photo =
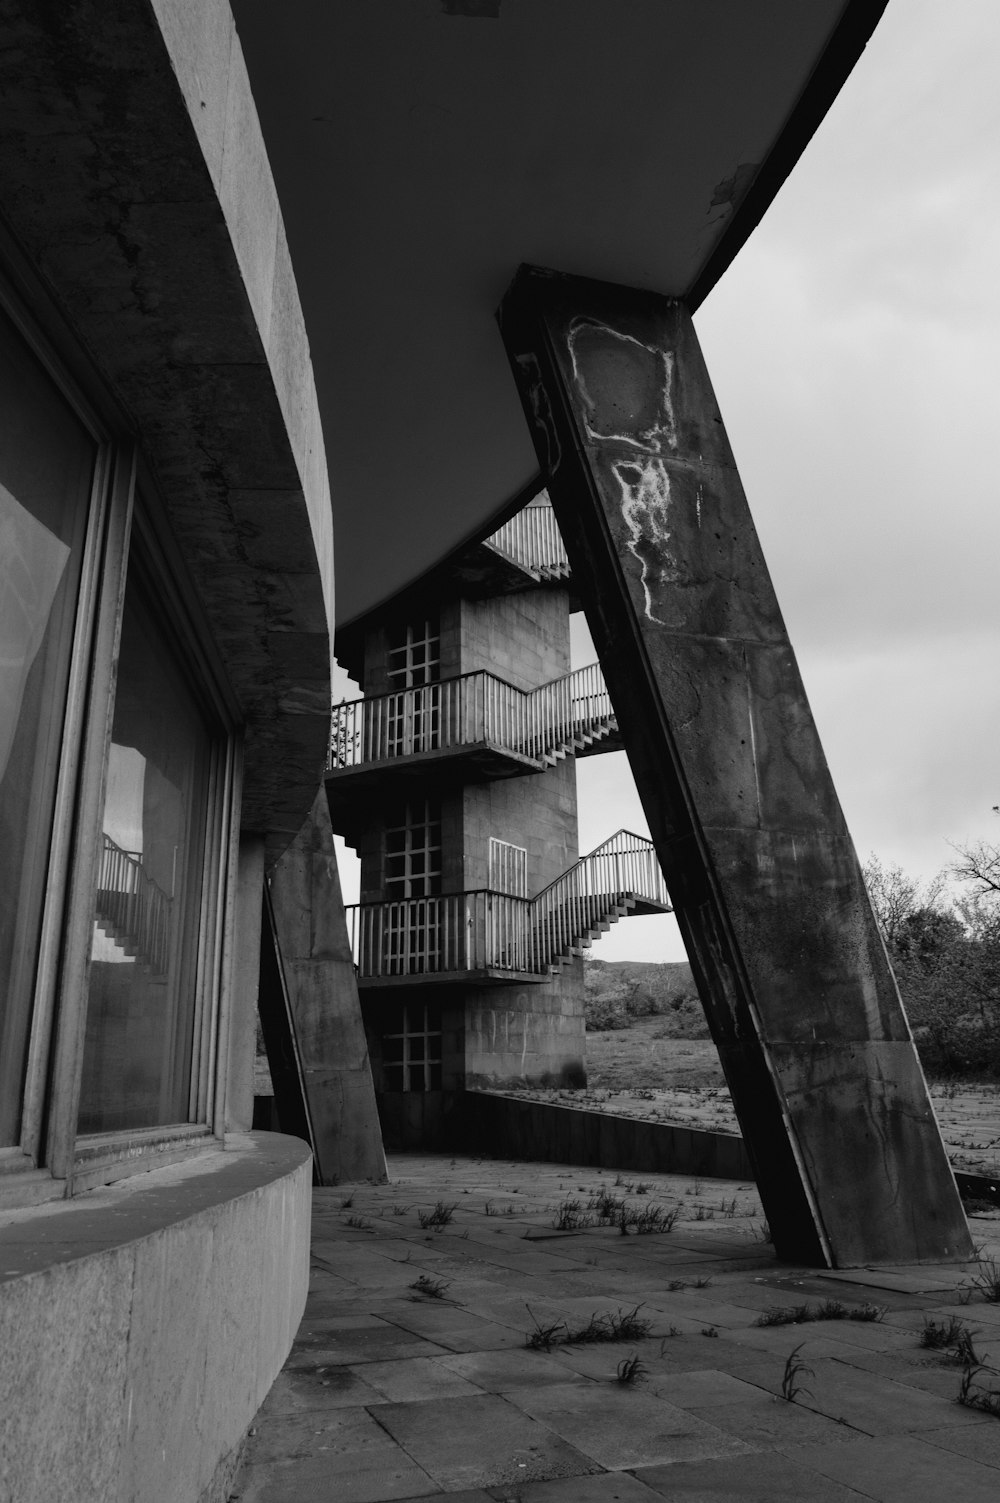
[(485, 930), (533, 541), (541, 724), (132, 907)]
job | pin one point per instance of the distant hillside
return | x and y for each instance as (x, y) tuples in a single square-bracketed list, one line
[(617, 991)]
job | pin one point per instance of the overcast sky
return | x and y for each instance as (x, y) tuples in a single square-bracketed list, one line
[(855, 350)]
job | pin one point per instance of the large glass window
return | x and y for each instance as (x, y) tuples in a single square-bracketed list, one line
[(46, 473), (142, 1003)]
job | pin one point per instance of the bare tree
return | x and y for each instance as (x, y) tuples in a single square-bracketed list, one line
[(896, 897), (979, 864)]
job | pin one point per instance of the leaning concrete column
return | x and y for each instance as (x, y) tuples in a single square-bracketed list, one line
[(329, 1084), (794, 979)]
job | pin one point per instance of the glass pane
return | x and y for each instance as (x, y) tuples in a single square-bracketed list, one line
[(46, 473), (140, 1014)]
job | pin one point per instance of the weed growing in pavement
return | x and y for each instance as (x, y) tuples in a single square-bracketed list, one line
[(491, 1209), (702, 1282), (674, 1331), (642, 1188), (829, 1309), (974, 1394), (728, 1207), (631, 1369), (571, 1217), (987, 1281), (952, 1336), (710, 1330), (543, 1337), (622, 1325), (440, 1216), (359, 1223), (347, 1202), (795, 1368), (427, 1288), (761, 1232), (400, 1210)]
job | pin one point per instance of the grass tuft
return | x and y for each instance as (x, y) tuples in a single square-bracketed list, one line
[(543, 1338), (440, 1216), (631, 1369), (952, 1336), (427, 1288), (976, 1395), (829, 1309), (987, 1281), (795, 1368), (571, 1217)]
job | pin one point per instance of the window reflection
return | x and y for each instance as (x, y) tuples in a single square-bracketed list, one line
[(143, 976), (46, 469)]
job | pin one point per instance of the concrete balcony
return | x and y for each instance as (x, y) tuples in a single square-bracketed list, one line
[(480, 725), (496, 938)]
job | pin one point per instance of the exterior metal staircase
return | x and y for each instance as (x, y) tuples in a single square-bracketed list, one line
[(132, 909), (533, 542), (571, 716), (498, 934)]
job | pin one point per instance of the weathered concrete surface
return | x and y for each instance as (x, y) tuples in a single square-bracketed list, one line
[(324, 1012), (142, 1324), (798, 992), (134, 175), (386, 1394), (517, 1127)]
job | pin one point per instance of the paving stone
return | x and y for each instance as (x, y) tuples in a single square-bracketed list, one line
[(480, 1442), (704, 1389), (385, 1475), (374, 1342), (298, 1389), (623, 1427), (415, 1378), (498, 1371), (901, 1469), (326, 1432), (763, 1477), (768, 1422), (979, 1443), (605, 1487)]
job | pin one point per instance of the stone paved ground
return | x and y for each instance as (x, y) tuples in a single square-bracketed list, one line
[(410, 1377)]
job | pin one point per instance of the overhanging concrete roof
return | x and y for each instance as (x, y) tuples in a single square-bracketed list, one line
[(423, 149)]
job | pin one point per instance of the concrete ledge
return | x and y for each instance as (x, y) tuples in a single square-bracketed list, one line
[(516, 1127), (142, 1324)]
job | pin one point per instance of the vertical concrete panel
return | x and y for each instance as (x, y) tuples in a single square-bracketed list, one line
[(796, 986), (322, 993)]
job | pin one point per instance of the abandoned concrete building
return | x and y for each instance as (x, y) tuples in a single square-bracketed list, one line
[(455, 779), (250, 262)]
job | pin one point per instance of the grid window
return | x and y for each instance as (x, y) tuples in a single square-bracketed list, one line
[(411, 1048), (414, 656), (414, 701), (412, 890)]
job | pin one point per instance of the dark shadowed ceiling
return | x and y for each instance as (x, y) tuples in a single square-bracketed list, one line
[(424, 148)]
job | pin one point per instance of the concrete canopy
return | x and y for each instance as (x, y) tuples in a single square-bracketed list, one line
[(423, 149)]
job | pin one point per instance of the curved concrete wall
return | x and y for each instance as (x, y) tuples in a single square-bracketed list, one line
[(134, 175), (142, 1325)]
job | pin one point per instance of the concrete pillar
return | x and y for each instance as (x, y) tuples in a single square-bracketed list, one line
[(794, 979), (321, 999)]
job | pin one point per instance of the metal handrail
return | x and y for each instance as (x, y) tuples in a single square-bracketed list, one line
[(487, 930), (468, 709), (533, 540), (133, 906)]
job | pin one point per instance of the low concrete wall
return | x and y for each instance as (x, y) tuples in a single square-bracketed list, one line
[(142, 1324), (516, 1127)]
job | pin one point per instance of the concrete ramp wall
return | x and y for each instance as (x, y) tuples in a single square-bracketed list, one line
[(516, 1127)]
